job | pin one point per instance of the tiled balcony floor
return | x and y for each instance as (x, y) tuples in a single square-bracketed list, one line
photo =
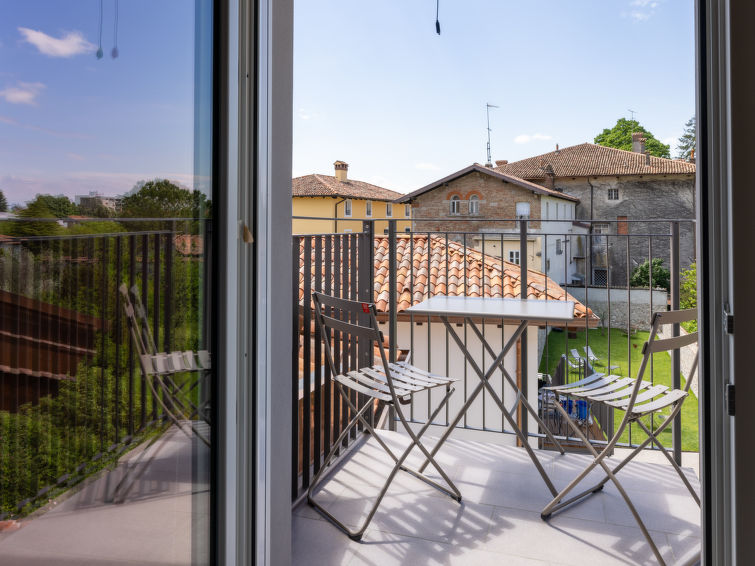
[(499, 520)]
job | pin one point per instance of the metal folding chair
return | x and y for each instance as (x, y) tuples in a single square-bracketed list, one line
[(391, 383), (596, 360), (638, 399), (160, 369)]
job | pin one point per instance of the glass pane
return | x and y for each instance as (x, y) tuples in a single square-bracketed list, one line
[(105, 362)]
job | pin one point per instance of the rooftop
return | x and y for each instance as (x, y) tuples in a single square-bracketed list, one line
[(517, 180), (435, 266), (591, 160), (317, 185)]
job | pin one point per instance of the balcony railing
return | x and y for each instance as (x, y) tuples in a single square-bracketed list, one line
[(395, 269), (72, 396)]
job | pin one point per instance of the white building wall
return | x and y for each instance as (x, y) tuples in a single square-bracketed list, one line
[(560, 226), (444, 357)]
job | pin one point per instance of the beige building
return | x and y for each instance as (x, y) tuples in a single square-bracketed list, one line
[(343, 204), (478, 205)]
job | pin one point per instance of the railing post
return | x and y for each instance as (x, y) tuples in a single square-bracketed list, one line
[(676, 434), (523, 293), (392, 305)]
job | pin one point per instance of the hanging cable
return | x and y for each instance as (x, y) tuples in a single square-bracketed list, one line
[(437, 21), (99, 49), (114, 52)]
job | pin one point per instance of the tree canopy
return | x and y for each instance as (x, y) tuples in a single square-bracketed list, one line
[(688, 141), (3, 202), (36, 209), (161, 198), (620, 137), (60, 206)]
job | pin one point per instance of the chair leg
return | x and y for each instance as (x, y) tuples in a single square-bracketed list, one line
[(558, 502)]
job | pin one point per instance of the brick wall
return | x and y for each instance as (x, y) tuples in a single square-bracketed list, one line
[(497, 200)]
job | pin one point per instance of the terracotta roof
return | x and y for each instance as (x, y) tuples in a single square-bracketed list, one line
[(327, 186), (189, 245), (444, 274), (514, 180), (591, 160)]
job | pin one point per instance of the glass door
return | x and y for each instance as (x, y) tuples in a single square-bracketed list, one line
[(106, 282)]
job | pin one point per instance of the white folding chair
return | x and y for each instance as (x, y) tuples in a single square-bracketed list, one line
[(391, 383), (638, 399)]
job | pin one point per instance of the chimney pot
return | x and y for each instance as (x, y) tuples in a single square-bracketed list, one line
[(342, 169), (501, 162), (638, 142), (557, 150)]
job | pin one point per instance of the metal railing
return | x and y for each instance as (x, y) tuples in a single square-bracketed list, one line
[(596, 268), (72, 396)]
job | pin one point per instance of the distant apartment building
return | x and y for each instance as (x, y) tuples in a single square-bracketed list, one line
[(478, 207), (343, 204), (622, 189), (95, 199)]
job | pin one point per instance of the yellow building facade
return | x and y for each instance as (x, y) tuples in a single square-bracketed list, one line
[(325, 204)]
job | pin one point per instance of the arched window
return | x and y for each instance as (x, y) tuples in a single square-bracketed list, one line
[(474, 204), (454, 205)]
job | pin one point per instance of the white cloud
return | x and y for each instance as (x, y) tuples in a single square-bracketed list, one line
[(23, 93), (72, 43), (305, 114), (641, 10), (527, 138), (423, 166)]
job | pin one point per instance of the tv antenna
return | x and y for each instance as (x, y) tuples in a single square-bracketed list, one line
[(632, 113), (488, 106)]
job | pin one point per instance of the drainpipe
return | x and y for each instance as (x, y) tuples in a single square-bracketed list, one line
[(588, 274), (335, 215)]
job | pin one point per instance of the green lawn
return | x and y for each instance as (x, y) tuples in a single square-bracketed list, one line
[(619, 350)]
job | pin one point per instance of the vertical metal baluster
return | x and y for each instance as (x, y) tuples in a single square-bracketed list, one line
[(145, 303), (103, 337), (306, 383), (318, 361), (676, 433), (328, 377), (156, 309), (118, 339), (131, 282), (296, 439)]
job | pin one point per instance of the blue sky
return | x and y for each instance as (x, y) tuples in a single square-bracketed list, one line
[(376, 87), (373, 86)]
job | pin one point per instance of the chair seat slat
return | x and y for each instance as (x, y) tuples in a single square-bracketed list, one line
[(594, 385), (368, 375), (667, 399), (624, 393), (610, 388), (589, 379), (356, 386)]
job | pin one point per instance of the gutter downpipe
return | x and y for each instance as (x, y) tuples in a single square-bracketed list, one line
[(335, 215)]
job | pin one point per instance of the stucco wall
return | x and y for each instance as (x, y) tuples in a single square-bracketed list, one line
[(328, 207), (640, 198), (621, 311)]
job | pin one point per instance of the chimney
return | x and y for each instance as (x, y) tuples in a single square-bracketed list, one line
[(557, 150), (638, 142), (501, 162), (342, 169), (692, 155), (550, 178)]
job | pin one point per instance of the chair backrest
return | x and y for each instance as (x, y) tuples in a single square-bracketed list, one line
[(653, 346), (354, 325), (575, 354), (589, 353)]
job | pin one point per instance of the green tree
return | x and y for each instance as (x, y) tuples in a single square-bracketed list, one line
[(688, 141), (620, 137), (60, 206), (641, 275), (161, 198), (3, 202), (98, 210), (33, 221)]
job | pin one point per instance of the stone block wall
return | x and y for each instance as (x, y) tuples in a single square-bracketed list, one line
[(638, 314), (640, 198)]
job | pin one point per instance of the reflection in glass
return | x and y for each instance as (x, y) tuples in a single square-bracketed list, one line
[(106, 371)]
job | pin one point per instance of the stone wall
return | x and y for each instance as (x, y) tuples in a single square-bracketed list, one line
[(640, 198), (598, 298), (497, 200)]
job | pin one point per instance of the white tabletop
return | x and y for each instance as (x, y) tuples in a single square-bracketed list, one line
[(535, 310)]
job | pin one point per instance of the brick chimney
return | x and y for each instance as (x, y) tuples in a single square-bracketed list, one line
[(638, 142), (550, 177), (501, 162), (342, 169)]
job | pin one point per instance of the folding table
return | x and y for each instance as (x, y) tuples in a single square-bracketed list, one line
[(524, 312)]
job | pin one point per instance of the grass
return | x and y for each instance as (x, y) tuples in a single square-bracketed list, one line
[(621, 354)]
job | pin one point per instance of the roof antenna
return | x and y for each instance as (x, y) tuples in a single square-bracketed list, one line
[(437, 22), (632, 112), (488, 106), (114, 52), (99, 49)]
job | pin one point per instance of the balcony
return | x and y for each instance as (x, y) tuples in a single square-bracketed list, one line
[(83, 383)]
